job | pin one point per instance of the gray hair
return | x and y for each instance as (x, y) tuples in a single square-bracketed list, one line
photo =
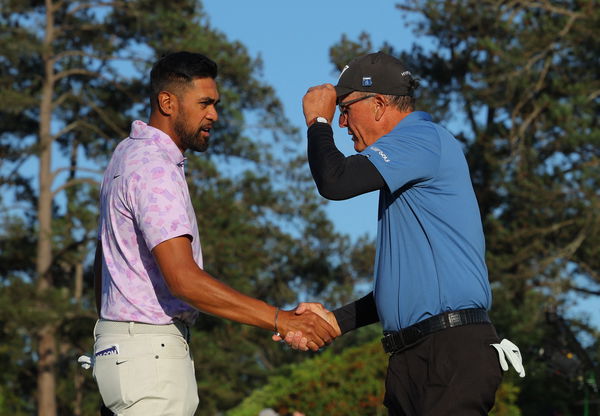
[(403, 103)]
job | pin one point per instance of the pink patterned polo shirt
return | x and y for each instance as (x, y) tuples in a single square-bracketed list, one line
[(144, 200)]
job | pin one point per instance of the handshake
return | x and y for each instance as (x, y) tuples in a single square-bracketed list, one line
[(309, 326)]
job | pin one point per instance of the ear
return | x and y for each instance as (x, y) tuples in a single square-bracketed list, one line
[(380, 106), (166, 102)]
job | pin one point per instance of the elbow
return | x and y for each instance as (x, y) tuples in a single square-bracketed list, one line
[(330, 191), (331, 195), (177, 287)]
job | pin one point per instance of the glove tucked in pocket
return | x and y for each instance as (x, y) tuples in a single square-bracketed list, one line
[(509, 351)]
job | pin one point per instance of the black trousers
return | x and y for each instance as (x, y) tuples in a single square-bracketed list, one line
[(451, 372)]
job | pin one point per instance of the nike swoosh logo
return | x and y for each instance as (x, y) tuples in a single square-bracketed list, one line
[(121, 362), (116, 176)]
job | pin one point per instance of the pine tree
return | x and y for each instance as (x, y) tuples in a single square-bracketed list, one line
[(73, 76)]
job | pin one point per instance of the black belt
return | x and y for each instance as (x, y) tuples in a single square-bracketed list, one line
[(398, 340)]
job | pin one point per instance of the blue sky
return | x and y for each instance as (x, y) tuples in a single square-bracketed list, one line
[(293, 39)]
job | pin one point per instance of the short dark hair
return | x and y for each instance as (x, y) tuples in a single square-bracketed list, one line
[(175, 71)]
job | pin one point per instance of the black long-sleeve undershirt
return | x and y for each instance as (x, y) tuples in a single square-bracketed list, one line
[(338, 177), (359, 313)]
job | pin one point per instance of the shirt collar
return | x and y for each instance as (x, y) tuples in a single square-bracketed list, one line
[(413, 117), (142, 131)]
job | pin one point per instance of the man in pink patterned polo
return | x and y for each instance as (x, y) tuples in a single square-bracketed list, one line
[(148, 267)]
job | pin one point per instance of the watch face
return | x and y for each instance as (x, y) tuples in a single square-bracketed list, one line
[(322, 120)]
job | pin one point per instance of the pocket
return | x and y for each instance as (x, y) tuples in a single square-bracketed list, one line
[(138, 377), (172, 347), (106, 372), (126, 377)]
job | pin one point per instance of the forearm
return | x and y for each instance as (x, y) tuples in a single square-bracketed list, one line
[(199, 289), (187, 281), (338, 177), (357, 314)]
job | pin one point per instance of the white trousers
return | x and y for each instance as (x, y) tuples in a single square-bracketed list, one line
[(144, 369)]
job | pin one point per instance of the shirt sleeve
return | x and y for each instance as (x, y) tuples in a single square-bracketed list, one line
[(338, 177), (357, 314), (406, 159), (158, 204)]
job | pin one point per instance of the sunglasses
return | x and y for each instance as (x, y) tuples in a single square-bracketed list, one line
[(343, 107)]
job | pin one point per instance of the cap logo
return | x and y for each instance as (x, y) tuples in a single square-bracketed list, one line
[(342, 73), (405, 73), (367, 82)]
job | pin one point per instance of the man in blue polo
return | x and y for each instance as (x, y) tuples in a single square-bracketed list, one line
[(431, 291)]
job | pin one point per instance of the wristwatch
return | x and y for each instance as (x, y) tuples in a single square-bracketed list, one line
[(318, 119)]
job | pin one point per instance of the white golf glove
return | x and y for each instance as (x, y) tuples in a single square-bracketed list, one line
[(85, 361), (508, 350)]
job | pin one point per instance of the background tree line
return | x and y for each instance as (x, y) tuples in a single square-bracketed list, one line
[(514, 80)]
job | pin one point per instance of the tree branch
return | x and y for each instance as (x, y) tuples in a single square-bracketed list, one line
[(70, 127), (471, 116), (568, 250), (548, 6), (56, 6), (106, 119), (593, 274), (74, 71), (544, 230), (62, 99), (56, 172), (66, 54), (102, 134), (584, 290), (73, 182), (593, 95), (517, 133)]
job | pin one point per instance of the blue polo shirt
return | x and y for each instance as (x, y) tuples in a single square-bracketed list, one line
[(430, 246)]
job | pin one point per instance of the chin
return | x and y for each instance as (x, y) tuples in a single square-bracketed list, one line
[(198, 145)]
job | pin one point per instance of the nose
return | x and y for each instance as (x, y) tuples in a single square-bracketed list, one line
[(213, 114)]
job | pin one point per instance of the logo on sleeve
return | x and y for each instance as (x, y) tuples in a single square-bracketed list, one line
[(385, 158)]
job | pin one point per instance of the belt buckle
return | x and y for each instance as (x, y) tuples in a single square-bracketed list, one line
[(393, 342), (388, 342), (454, 319)]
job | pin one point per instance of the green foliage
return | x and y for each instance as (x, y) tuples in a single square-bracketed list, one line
[(346, 383), (506, 398)]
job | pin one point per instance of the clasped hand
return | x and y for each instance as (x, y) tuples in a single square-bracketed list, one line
[(309, 326)]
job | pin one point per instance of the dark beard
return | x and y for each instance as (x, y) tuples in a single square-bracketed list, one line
[(190, 140)]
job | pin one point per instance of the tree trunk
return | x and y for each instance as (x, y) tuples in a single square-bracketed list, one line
[(46, 378), (78, 378), (78, 289)]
